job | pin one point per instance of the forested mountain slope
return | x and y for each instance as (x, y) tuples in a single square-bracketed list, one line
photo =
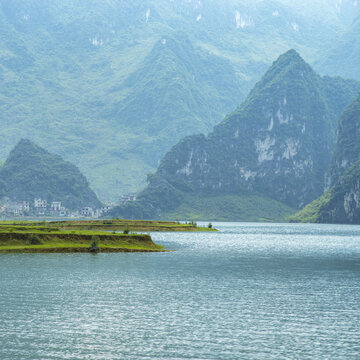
[(278, 143), (112, 85), (32, 172)]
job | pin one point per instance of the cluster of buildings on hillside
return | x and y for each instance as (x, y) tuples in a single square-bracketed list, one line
[(41, 207)]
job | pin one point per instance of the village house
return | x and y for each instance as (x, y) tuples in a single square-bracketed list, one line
[(56, 209), (24, 206), (40, 204), (40, 207), (55, 206), (87, 212), (13, 209), (62, 211)]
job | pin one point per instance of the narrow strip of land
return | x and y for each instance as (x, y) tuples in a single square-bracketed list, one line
[(85, 236), (115, 225), (21, 238)]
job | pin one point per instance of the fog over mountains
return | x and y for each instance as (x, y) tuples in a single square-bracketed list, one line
[(277, 144), (113, 85)]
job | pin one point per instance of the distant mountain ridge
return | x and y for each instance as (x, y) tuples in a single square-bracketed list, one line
[(342, 58), (192, 77), (31, 172), (84, 78), (278, 144)]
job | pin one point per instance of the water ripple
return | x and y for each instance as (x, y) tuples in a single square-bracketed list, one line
[(251, 291)]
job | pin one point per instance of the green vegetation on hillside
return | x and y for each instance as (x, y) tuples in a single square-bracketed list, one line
[(277, 144), (341, 203), (31, 172), (95, 81), (311, 212), (230, 207)]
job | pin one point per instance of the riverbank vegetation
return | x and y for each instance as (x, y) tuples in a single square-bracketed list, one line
[(37, 238), (114, 225)]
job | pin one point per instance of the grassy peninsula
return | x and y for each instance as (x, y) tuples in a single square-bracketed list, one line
[(51, 239), (114, 225), (85, 235)]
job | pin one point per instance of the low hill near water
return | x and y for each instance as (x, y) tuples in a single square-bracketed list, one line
[(32, 172), (272, 153)]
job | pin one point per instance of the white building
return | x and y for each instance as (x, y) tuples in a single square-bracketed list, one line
[(25, 206), (40, 204), (87, 212), (105, 209), (56, 206), (62, 211), (13, 209)]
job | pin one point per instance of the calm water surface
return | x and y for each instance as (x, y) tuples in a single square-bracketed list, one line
[(251, 291)]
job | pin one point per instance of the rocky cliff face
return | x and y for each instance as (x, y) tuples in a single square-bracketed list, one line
[(347, 148), (341, 203), (278, 143)]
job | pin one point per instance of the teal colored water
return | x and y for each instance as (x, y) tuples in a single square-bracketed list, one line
[(251, 291)]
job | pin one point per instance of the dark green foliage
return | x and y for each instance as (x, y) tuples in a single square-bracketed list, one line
[(94, 246), (338, 205), (34, 239), (126, 231), (32, 172), (232, 207), (310, 213), (210, 225), (192, 77)]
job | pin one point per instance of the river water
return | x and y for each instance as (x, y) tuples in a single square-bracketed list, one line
[(250, 291)]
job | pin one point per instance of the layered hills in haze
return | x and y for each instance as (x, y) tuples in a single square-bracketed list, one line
[(276, 145), (175, 81), (342, 58), (31, 172), (112, 85)]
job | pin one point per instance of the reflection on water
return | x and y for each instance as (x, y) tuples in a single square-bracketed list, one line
[(251, 291)]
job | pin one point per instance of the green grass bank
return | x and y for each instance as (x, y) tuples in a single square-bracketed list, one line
[(112, 225), (42, 239)]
